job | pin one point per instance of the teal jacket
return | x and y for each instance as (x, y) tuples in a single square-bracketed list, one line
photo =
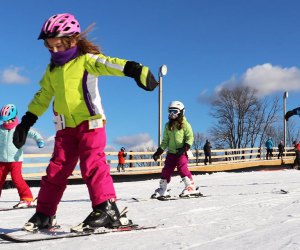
[(8, 151), (74, 86), (174, 140)]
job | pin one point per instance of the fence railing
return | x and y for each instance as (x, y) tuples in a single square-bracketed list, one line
[(34, 165)]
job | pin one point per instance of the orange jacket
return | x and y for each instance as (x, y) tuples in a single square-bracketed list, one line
[(121, 156)]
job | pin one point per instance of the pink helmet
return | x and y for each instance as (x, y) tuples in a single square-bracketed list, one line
[(60, 25), (8, 112)]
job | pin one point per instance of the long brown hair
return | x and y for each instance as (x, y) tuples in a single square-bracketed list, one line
[(179, 123)]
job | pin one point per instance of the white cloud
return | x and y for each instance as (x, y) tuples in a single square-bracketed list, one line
[(267, 79), (12, 75), (136, 142)]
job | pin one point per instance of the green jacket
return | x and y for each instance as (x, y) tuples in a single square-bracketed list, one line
[(74, 86), (173, 140)]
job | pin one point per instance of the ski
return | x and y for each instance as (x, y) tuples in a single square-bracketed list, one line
[(167, 198), (63, 232), (17, 208), (281, 191), (162, 198)]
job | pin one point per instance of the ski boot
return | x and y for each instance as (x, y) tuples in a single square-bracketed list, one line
[(162, 191), (26, 203), (105, 214), (40, 221), (190, 190)]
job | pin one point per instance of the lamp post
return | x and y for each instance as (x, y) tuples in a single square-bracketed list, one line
[(162, 72), (285, 96)]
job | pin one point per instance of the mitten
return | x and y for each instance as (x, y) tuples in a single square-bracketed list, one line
[(182, 150), (157, 154), (21, 131)]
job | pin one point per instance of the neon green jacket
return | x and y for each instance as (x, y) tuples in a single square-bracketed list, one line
[(173, 140), (74, 86)]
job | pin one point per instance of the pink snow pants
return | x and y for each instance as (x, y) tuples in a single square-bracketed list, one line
[(70, 145), (15, 169), (171, 162)]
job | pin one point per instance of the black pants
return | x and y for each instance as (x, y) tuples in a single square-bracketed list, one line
[(207, 159)]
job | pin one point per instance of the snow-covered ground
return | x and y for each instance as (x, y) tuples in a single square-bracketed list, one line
[(241, 211)]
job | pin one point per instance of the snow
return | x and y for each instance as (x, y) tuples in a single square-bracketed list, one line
[(241, 211)]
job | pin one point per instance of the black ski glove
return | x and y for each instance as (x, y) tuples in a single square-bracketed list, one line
[(182, 150), (141, 74), (21, 131), (292, 112), (157, 154)]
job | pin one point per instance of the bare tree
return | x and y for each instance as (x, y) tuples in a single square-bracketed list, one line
[(198, 144), (242, 119)]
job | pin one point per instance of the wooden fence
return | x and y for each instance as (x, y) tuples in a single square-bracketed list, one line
[(34, 165)]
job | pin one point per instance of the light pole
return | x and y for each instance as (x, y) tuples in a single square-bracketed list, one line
[(162, 72), (285, 96)]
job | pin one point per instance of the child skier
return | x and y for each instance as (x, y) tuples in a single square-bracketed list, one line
[(121, 157), (178, 138), (71, 79), (11, 157)]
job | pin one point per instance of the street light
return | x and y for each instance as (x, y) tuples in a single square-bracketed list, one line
[(285, 96), (162, 72)]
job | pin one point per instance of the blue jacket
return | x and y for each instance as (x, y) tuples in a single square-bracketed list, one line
[(8, 151), (269, 144)]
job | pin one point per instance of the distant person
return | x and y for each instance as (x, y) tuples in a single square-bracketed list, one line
[(280, 150), (297, 154), (269, 146), (121, 157), (71, 79), (11, 157), (207, 152), (177, 138)]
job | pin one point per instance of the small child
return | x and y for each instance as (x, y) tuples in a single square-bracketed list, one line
[(121, 157), (71, 79), (11, 157), (178, 138)]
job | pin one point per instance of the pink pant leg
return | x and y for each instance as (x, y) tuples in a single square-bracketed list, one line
[(94, 169), (61, 166), (169, 167), (182, 166)]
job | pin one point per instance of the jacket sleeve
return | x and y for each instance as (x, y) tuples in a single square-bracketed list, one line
[(35, 135), (165, 141), (189, 135), (108, 66), (43, 97)]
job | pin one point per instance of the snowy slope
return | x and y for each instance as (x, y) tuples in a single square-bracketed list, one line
[(242, 211)]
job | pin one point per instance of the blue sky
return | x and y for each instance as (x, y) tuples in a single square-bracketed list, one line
[(206, 44)]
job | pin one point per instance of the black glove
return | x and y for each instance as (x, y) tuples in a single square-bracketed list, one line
[(157, 154), (292, 112), (21, 131), (134, 70), (289, 114), (182, 150)]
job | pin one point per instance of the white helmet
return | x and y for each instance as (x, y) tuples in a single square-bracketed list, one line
[(175, 108)]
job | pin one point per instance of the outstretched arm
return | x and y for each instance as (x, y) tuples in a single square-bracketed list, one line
[(292, 112)]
